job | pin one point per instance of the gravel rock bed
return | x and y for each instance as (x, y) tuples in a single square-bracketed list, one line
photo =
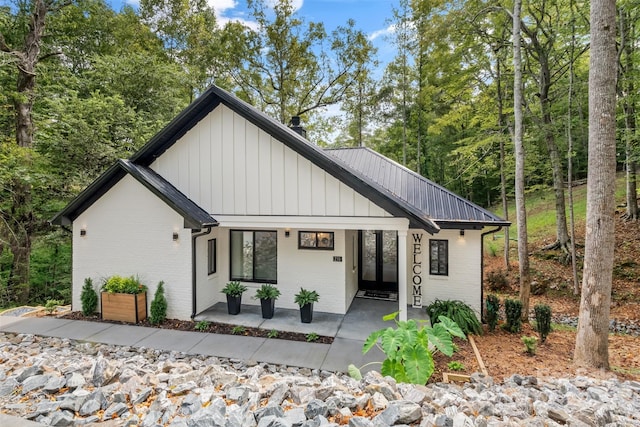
[(62, 382)]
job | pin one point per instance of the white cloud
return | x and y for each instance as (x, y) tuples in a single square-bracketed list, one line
[(296, 4), (220, 6), (391, 29), (135, 3)]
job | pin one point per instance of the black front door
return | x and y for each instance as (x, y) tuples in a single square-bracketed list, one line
[(378, 260)]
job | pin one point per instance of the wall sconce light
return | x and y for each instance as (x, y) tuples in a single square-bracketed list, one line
[(287, 232), (175, 236), (461, 233), (83, 232)]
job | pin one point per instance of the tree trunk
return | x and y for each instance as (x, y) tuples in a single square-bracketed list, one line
[(503, 182), (591, 348), (629, 107), (521, 211), (20, 220)]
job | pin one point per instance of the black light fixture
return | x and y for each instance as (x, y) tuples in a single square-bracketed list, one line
[(83, 232), (287, 232), (461, 233), (175, 236)]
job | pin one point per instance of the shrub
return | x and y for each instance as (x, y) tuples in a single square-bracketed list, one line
[(530, 345), (238, 330), (124, 285), (234, 289), (305, 297), (497, 280), (312, 337), (272, 334), (202, 326), (89, 298), (492, 311), (459, 312), (513, 312), (409, 348), (455, 365), (543, 320), (51, 305), (158, 306), (267, 291)]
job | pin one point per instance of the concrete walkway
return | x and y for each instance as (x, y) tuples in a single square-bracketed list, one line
[(349, 332)]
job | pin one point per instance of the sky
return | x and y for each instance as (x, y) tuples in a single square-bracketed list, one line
[(371, 16)]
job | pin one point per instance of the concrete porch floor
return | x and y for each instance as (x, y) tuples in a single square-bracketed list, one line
[(363, 317)]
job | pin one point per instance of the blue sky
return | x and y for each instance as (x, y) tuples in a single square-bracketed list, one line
[(371, 16)]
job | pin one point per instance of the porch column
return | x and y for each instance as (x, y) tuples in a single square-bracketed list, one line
[(402, 274)]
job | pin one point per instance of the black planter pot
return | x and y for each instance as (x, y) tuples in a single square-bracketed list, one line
[(306, 313), (233, 304), (268, 307)]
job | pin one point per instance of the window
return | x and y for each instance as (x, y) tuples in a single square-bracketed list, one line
[(439, 257), (315, 240), (254, 256), (211, 256)]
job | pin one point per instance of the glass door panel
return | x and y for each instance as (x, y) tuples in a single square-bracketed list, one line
[(369, 244)]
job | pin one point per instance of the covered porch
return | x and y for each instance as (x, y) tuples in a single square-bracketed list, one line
[(363, 317)]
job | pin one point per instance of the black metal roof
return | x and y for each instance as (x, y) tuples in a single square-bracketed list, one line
[(377, 191), (194, 216), (444, 207)]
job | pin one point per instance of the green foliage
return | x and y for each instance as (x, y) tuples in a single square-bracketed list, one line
[(492, 249), (455, 365), (50, 264), (543, 320), (530, 345), (234, 289), (238, 330), (305, 297), (89, 298), (123, 285), (267, 291), (158, 306), (513, 313), (201, 326), (459, 312), (408, 348), (272, 334), (51, 305), (312, 337), (492, 311)]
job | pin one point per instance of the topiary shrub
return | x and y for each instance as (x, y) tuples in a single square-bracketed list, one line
[(459, 312), (513, 313), (158, 306), (543, 320), (492, 311), (89, 298)]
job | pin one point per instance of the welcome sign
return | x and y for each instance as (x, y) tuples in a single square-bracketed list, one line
[(416, 270)]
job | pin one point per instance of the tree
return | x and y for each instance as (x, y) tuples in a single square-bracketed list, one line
[(287, 68), (521, 210), (592, 348)]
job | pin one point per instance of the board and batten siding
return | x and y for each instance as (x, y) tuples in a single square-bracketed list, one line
[(463, 281), (229, 166), (129, 231)]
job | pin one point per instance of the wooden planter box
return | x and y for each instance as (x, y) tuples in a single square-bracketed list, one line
[(123, 307)]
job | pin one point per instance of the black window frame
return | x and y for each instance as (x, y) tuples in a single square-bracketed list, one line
[(442, 267), (253, 264), (212, 255), (317, 247)]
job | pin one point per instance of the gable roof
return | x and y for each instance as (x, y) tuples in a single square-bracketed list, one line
[(444, 207), (194, 216), (355, 178)]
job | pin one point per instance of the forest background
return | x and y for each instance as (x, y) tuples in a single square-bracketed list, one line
[(83, 85)]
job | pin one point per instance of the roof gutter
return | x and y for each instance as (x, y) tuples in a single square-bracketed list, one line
[(495, 230), (194, 276)]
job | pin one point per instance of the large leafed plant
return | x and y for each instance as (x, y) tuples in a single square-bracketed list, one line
[(409, 348)]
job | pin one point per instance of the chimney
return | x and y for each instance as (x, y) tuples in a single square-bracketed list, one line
[(294, 124)]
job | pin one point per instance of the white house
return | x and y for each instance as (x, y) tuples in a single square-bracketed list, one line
[(225, 193)]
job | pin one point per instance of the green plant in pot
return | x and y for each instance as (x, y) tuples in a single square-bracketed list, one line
[(234, 291), (305, 300), (267, 294)]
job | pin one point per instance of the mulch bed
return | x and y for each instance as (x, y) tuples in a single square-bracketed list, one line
[(211, 327)]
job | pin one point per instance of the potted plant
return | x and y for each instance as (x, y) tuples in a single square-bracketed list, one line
[(123, 299), (305, 300), (267, 294), (234, 291)]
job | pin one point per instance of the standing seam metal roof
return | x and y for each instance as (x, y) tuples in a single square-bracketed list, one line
[(433, 200)]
